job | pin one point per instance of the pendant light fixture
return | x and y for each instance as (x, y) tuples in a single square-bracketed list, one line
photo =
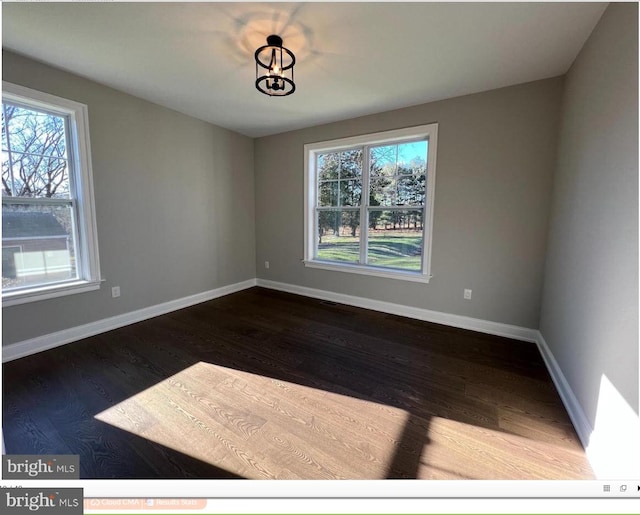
[(274, 68)]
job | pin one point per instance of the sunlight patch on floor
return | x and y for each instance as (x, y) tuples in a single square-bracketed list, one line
[(476, 452), (260, 427)]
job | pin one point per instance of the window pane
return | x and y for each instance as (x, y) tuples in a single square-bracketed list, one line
[(411, 190), (7, 188), (328, 166), (412, 157), (39, 176), (35, 132), (339, 236), (4, 132), (395, 239), (340, 165), (328, 194), (37, 245), (350, 193), (383, 160), (37, 150), (383, 191), (351, 164), (398, 174)]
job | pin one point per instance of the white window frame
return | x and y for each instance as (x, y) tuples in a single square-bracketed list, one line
[(311, 150), (79, 153)]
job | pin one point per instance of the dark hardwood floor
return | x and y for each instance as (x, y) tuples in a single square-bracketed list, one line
[(263, 384)]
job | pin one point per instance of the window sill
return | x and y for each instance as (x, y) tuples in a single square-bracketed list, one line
[(48, 292), (369, 270)]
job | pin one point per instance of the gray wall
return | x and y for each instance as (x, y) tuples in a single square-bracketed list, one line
[(496, 155), (589, 313), (174, 200)]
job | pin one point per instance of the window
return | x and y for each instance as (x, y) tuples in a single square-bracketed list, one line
[(49, 243), (369, 203)]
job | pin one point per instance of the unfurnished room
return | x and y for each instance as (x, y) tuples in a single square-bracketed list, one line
[(322, 240)]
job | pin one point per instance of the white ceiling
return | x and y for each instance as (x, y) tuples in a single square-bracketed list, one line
[(353, 58)]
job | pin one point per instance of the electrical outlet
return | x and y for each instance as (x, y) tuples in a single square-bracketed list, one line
[(266, 265), (467, 294), (115, 291)]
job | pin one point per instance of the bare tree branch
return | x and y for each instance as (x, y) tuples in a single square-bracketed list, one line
[(37, 152)]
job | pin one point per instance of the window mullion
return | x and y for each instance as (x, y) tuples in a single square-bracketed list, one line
[(403, 207), (38, 201), (364, 204)]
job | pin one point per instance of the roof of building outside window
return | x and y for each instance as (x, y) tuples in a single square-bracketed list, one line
[(31, 225)]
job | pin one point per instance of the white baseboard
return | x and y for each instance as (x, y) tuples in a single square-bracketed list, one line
[(462, 322), (49, 341), (611, 442), (570, 401)]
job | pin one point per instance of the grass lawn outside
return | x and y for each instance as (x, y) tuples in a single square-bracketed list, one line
[(402, 250)]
